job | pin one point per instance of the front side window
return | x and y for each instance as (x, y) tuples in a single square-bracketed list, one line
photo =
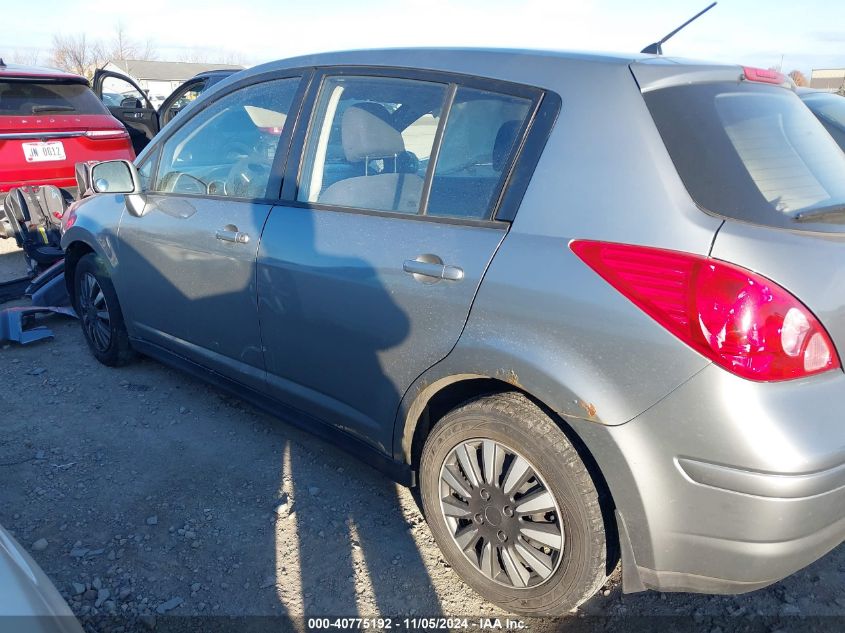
[(145, 172), (117, 92), (228, 148)]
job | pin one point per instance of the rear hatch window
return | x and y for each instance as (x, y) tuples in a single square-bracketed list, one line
[(752, 152), (22, 98)]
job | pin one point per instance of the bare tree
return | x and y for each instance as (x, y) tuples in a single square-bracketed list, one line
[(212, 56), (799, 78), (149, 50), (77, 54), (841, 91), (123, 47), (25, 57), (82, 55)]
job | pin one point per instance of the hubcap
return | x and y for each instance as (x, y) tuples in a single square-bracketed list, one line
[(94, 312), (501, 514)]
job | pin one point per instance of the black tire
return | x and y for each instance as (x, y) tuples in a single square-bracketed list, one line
[(513, 420), (112, 349)]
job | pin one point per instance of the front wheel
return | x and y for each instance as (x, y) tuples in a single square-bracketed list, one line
[(99, 312), (513, 507)]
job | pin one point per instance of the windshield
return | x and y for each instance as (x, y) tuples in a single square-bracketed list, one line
[(35, 97), (750, 151)]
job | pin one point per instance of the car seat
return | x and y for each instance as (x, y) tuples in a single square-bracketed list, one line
[(366, 136), (34, 216)]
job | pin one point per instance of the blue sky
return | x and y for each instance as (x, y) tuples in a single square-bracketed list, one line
[(807, 34)]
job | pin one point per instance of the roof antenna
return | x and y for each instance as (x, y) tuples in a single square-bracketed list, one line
[(657, 48), (2, 63)]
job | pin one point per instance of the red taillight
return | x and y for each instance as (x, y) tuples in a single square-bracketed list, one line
[(740, 320), (764, 75)]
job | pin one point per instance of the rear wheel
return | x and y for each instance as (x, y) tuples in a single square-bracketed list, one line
[(513, 507), (99, 312)]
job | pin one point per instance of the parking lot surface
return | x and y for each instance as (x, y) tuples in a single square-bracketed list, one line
[(145, 494)]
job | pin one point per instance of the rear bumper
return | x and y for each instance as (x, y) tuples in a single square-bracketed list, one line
[(726, 485)]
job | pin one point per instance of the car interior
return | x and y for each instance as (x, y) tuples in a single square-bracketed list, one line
[(228, 154), (374, 152)]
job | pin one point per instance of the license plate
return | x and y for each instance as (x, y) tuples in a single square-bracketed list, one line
[(40, 152)]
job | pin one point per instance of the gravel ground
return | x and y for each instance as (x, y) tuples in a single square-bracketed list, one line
[(145, 494)]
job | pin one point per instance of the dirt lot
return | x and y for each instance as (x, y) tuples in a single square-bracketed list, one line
[(145, 494)]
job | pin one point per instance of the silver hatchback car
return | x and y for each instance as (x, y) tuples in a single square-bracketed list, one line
[(589, 305)]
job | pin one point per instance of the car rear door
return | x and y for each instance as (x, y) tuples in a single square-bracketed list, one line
[(367, 273), (187, 265), (129, 104)]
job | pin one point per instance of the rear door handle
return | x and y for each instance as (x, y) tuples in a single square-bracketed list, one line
[(433, 270), (232, 236)]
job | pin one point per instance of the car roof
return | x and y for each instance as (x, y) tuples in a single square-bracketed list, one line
[(39, 72), (438, 57), (220, 72), (537, 67)]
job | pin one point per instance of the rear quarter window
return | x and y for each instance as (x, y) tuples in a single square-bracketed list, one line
[(47, 97), (479, 142), (749, 151)]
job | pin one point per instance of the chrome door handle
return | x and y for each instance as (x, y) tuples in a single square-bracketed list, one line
[(232, 236), (433, 270)]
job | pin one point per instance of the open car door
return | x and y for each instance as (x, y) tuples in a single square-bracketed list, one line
[(129, 104), (181, 97)]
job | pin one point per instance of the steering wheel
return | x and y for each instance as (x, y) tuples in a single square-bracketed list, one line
[(247, 179)]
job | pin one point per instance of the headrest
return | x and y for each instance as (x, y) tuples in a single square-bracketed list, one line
[(504, 143), (366, 135)]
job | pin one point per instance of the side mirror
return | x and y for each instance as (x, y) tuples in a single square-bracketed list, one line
[(115, 176), (120, 176)]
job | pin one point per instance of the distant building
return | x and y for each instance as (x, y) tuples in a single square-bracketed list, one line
[(162, 78), (830, 79)]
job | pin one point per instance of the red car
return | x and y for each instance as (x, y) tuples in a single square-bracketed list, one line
[(49, 121)]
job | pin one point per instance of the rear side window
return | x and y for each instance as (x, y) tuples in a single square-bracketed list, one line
[(31, 97), (372, 145), (749, 151)]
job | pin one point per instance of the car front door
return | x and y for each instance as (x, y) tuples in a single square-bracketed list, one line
[(366, 277), (129, 104), (189, 260), (179, 98)]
